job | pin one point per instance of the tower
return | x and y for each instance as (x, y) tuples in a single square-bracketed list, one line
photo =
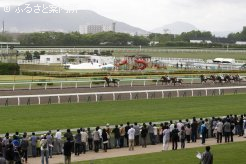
[(113, 26)]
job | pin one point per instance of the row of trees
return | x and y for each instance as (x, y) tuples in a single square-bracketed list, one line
[(77, 39), (118, 39)]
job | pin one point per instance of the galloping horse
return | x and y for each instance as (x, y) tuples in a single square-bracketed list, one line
[(175, 80), (237, 78), (114, 81), (165, 79), (203, 79), (228, 78), (219, 78)]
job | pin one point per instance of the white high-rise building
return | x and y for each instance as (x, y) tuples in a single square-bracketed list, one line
[(93, 29)]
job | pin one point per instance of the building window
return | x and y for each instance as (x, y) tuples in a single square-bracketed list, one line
[(47, 59)]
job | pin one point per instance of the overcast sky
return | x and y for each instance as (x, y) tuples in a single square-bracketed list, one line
[(212, 15)]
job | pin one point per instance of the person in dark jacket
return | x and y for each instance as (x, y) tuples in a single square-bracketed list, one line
[(144, 132), (2, 159), (116, 132), (207, 156), (105, 137), (9, 154), (68, 151)]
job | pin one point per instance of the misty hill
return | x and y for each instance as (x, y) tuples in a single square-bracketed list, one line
[(175, 28), (18, 20)]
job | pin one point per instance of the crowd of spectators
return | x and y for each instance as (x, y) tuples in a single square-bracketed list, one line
[(15, 148)]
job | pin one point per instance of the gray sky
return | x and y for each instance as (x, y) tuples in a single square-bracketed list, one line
[(212, 15)]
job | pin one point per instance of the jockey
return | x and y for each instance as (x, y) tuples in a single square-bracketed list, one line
[(109, 77), (168, 78)]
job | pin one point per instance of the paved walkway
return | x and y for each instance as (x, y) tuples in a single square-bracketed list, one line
[(91, 155)]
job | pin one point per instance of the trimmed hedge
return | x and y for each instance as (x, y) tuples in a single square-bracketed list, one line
[(142, 74), (9, 69)]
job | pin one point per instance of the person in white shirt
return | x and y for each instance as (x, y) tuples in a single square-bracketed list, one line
[(58, 137), (131, 136), (219, 128), (179, 125), (100, 142), (44, 149), (155, 132), (84, 139), (166, 138)]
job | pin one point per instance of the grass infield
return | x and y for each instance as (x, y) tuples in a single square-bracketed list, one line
[(227, 153), (63, 116)]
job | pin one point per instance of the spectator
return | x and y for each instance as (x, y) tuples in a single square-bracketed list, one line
[(207, 156), (180, 125), (67, 148), (175, 137), (227, 130), (5, 143), (131, 136), (155, 133), (160, 132), (84, 140), (182, 137), (126, 134), (44, 149), (68, 135), (50, 143), (96, 139), (109, 131), (58, 139), (194, 126), (144, 132), (166, 138), (188, 133), (90, 139), (38, 147), (203, 131), (100, 140), (2, 159), (151, 133), (33, 139), (116, 132), (105, 137), (24, 147), (137, 133), (77, 142), (122, 135), (9, 154), (219, 128), (207, 127)]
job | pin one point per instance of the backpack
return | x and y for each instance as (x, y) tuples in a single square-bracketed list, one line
[(182, 135), (24, 144), (45, 145), (175, 133)]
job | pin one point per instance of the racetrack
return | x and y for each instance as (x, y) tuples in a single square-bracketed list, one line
[(106, 97)]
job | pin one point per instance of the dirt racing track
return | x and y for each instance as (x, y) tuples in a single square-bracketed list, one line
[(100, 93)]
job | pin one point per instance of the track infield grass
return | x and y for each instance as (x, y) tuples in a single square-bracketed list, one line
[(63, 116), (231, 153)]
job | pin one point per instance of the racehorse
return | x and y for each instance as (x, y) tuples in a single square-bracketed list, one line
[(214, 78), (237, 78), (228, 78), (203, 79), (114, 81), (165, 79), (175, 80)]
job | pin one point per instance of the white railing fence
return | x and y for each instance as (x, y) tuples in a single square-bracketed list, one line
[(96, 95), (91, 83)]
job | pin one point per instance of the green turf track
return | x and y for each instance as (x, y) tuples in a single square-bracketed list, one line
[(233, 153), (46, 117)]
